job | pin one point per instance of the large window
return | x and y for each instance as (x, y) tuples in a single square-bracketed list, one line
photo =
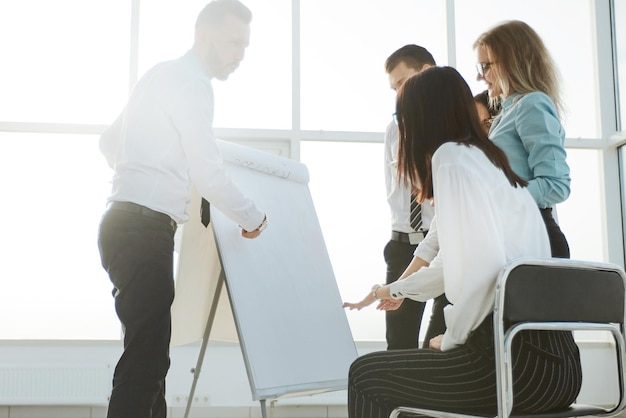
[(620, 36), (620, 56), (343, 51), (313, 79), (55, 189), (63, 61), (348, 189)]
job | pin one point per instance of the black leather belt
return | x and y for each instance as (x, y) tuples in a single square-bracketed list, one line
[(412, 238), (142, 210)]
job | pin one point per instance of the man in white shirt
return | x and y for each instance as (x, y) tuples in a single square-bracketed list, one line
[(160, 146), (403, 325)]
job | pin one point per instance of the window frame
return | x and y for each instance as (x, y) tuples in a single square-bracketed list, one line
[(288, 140)]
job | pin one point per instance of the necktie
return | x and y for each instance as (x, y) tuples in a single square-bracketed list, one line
[(416, 214), (205, 212)]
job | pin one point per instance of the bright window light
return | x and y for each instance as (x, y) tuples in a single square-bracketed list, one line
[(55, 192), (61, 68)]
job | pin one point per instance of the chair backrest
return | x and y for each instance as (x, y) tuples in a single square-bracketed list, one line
[(559, 290), (552, 294)]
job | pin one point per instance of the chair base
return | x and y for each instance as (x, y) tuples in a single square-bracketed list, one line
[(575, 410)]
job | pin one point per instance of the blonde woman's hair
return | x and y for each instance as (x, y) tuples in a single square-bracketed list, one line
[(521, 60)]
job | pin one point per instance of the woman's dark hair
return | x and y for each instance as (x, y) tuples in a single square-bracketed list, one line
[(493, 106), (434, 107)]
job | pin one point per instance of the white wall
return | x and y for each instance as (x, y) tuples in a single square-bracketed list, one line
[(78, 373)]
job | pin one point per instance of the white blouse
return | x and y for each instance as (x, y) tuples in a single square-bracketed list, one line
[(482, 224)]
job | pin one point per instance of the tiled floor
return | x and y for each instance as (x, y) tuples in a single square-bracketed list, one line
[(273, 411), (281, 411)]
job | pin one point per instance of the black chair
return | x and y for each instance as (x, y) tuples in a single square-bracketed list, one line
[(590, 296)]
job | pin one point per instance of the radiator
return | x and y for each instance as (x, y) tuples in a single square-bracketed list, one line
[(55, 384)]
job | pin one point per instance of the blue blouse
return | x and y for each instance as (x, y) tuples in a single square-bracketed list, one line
[(530, 133)]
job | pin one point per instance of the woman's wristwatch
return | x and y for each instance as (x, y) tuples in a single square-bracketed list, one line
[(263, 224)]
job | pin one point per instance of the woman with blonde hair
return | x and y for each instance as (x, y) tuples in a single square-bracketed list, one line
[(517, 68)]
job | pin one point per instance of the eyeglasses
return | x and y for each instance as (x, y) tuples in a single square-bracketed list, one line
[(483, 67)]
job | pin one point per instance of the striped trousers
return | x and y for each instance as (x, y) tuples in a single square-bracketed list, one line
[(546, 375)]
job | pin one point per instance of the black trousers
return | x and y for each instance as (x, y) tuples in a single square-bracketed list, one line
[(403, 324), (437, 323), (558, 242), (137, 252), (546, 376)]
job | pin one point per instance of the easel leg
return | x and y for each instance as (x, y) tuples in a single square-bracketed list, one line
[(263, 408), (205, 340)]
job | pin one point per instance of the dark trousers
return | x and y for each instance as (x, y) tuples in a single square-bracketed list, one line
[(546, 376), (558, 246), (137, 252), (403, 324), (437, 323), (558, 242)]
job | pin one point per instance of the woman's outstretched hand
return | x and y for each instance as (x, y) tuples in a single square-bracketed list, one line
[(378, 293), (366, 301)]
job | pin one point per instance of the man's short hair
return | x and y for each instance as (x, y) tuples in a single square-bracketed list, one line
[(217, 10), (414, 56)]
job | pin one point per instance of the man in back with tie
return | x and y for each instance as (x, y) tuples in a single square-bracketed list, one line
[(160, 146), (409, 222)]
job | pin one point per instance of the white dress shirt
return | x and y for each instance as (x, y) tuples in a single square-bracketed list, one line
[(482, 224), (428, 248), (163, 143), (398, 195)]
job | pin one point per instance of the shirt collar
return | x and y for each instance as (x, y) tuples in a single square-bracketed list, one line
[(510, 100), (191, 59)]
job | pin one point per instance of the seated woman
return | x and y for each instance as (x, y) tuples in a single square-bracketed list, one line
[(485, 218)]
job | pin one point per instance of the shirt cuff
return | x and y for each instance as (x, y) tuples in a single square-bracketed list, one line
[(395, 290), (254, 222), (447, 342)]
